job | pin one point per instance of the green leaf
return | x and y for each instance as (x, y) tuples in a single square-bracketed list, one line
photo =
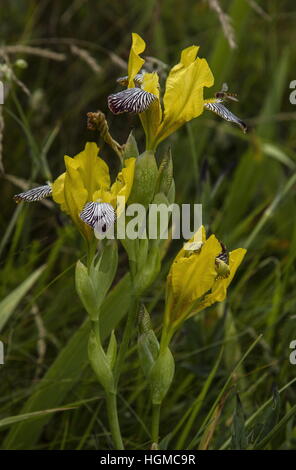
[(112, 350), (258, 412), (6, 422), (223, 391), (165, 174), (145, 179), (86, 290), (161, 376), (186, 423), (171, 193), (148, 345), (239, 440), (100, 363), (8, 305), (276, 428), (130, 149), (105, 270), (269, 419), (93, 286), (66, 370), (278, 154)]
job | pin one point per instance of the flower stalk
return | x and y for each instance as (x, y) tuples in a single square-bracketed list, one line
[(111, 400), (155, 422)]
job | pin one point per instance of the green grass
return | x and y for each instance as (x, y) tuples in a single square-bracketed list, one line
[(49, 396)]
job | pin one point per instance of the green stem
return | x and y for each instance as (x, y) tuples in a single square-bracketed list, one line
[(111, 399), (166, 336), (91, 246), (128, 331), (155, 423)]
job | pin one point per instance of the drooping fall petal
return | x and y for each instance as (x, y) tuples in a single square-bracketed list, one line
[(98, 215), (132, 100), (34, 194), (218, 108)]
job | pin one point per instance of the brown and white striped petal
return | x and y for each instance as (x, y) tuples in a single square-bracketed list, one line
[(98, 215), (132, 100), (34, 194), (221, 110)]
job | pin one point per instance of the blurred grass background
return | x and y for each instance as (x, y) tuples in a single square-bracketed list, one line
[(75, 51)]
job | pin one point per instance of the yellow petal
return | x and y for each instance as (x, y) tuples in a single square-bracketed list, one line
[(128, 173), (124, 181), (99, 196), (58, 191), (135, 62), (194, 243), (219, 289), (151, 83), (193, 276), (86, 175), (93, 170), (188, 55), (75, 192), (183, 99), (152, 117)]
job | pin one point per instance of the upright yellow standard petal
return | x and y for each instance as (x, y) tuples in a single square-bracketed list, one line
[(219, 289), (135, 62), (183, 99), (193, 276), (124, 182), (75, 192), (188, 56), (194, 244), (58, 192), (152, 117)]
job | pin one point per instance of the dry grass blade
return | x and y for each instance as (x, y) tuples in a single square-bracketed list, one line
[(87, 58), (46, 53), (259, 9), (225, 22), (210, 429), (117, 60)]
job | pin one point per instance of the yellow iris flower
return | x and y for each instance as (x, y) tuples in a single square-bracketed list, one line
[(183, 96), (87, 179), (193, 282), (135, 62)]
